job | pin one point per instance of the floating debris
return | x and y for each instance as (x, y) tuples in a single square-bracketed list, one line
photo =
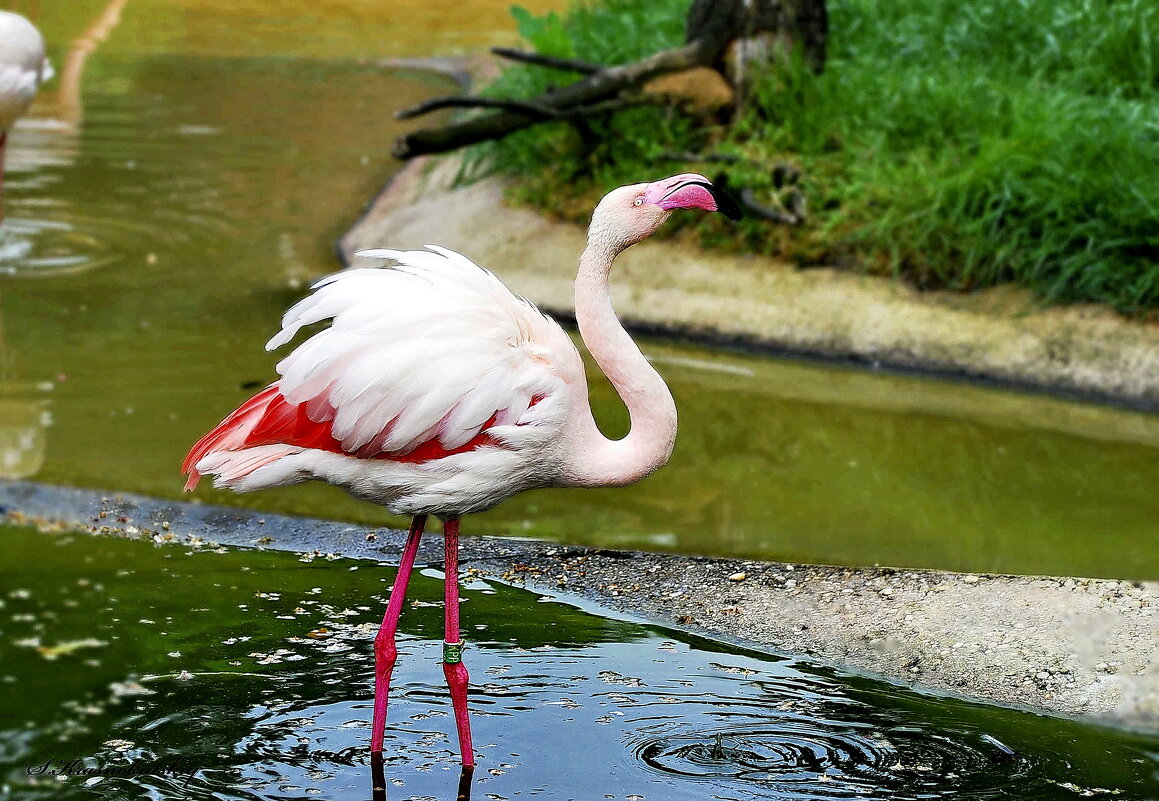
[(63, 648), (120, 746), (129, 688), (612, 677), (1087, 792)]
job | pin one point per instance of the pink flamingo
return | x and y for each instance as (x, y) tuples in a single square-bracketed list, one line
[(22, 68), (436, 391)]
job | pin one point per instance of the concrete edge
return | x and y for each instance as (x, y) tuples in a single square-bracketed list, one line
[(1077, 648)]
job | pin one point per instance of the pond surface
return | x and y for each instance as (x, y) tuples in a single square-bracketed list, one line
[(173, 196), (248, 675)]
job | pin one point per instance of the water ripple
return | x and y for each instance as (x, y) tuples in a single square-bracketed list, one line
[(812, 759)]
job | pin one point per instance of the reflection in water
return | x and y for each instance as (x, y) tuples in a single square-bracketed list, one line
[(378, 780), (255, 670), (23, 427), (46, 239), (24, 417), (68, 98)]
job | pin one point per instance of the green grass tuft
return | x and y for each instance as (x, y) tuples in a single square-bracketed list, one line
[(957, 143)]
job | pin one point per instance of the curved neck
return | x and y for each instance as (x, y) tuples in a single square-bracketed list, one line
[(600, 461)]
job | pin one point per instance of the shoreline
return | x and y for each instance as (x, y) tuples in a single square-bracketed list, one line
[(1000, 337), (1065, 646)]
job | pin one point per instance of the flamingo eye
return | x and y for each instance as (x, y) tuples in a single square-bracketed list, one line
[(638, 201)]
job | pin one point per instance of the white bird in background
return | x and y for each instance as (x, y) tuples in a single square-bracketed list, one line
[(23, 67), (436, 391)]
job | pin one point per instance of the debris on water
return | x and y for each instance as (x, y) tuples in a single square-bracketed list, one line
[(1006, 751), (612, 677), (732, 669), (1087, 792), (129, 688), (65, 648), (741, 576)]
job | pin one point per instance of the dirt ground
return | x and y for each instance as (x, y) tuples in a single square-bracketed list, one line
[(1072, 646)]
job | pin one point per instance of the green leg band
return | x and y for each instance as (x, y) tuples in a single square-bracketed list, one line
[(452, 653)]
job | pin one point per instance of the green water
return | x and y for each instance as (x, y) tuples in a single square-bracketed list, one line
[(169, 202), (250, 673)]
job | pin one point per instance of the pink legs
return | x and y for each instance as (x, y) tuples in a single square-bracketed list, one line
[(453, 667), (385, 651)]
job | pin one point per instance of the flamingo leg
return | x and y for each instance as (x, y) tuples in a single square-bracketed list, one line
[(453, 667), (385, 650)]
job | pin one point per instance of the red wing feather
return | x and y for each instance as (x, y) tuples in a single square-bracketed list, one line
[(269, 419)]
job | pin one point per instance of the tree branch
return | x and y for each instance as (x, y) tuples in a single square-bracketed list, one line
[(569, 100), (569, 64), (455, 101)]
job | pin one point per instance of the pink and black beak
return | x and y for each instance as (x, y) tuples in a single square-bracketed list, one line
[(691, 191)]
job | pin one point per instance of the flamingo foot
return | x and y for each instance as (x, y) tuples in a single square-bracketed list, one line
[(385, 649)]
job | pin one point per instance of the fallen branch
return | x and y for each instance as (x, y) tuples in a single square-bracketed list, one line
[(554, 62), (439, 103), (754, 207), (585, 96)]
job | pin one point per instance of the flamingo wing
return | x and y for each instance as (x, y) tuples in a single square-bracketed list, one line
[(427, 358)]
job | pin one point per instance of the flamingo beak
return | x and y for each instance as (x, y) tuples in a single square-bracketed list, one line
[(691, 191)]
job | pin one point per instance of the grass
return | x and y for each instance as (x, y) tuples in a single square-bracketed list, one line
[(957, 143)]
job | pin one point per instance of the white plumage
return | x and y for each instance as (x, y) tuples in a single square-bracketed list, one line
[(436, 391), (22, 66), (435, 343), (430, 350)]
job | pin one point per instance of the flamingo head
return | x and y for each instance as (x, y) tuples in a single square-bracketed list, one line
[(633, 213)]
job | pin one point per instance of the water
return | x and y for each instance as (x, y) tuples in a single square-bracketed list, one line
[(169, 201), (249, 674)]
